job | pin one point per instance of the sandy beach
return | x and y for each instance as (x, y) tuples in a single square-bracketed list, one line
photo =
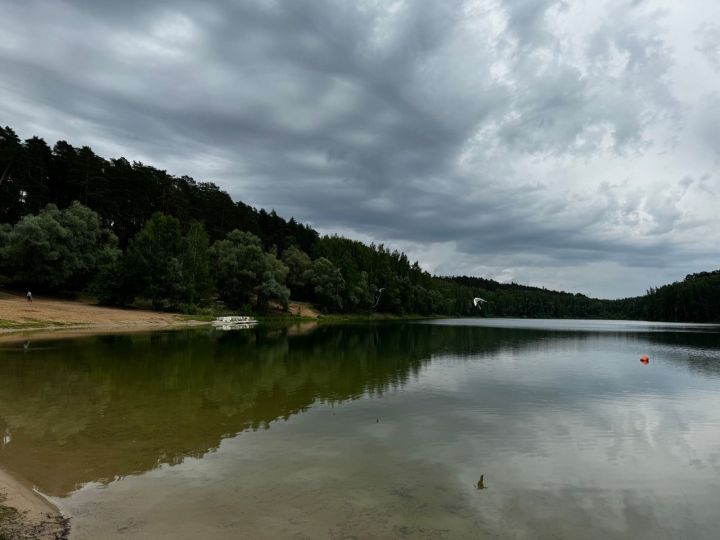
[(18, 317)]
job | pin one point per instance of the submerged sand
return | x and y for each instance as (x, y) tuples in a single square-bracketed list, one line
[(24, 513)]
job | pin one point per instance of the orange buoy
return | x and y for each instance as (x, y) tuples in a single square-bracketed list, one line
[(645, 359)]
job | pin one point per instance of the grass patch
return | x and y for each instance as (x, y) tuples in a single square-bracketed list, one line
[(7, 324), (282, 317), (199, 317), (30, 324), (362, 317), (339, 318)]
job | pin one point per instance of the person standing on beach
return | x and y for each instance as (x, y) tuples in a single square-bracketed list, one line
[(29, 297)]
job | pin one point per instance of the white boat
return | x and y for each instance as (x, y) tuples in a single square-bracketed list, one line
[(234, 322)]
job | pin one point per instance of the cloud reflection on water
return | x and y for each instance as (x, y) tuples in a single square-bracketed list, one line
[(388, 428)]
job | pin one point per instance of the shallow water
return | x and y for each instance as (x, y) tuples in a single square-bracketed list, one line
[(378, 431)]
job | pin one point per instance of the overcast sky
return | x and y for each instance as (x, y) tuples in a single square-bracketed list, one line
[(567, 144)]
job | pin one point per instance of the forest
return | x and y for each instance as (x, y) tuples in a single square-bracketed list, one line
[(74, 222)]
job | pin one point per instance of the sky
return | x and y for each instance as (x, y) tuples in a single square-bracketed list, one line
[(567, 144)]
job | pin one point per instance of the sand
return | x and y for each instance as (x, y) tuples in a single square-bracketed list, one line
[(303, 309), (18, 316), (34, 517)]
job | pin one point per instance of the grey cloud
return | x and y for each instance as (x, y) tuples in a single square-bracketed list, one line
[(402, 121), (709, 44), (707, 119), (527, 19)]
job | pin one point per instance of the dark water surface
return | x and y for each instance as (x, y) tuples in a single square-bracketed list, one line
[(373, 431)]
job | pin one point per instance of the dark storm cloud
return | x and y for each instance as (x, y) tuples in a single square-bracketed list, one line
[(425, 122)]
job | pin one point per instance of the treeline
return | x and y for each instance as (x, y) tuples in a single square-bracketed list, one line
[(513, 300), (179, 267), (181, 243), (695, 299), (75, 221)]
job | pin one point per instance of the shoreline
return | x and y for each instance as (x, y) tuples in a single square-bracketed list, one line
[(60, 332), (27, 513), (53, 318), (20, 319)]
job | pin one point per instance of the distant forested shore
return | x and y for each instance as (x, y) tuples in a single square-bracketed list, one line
[(72, 222)]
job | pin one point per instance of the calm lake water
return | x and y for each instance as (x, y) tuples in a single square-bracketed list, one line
[(373, 431)]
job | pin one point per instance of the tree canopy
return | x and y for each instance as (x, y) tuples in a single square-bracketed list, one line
[(243, 268), (56, 249)]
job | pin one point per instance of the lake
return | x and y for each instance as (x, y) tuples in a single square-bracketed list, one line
[(366, 431)]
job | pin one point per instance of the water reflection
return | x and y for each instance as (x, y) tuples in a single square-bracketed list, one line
[(566, 427), (97, 408), (109, 406)]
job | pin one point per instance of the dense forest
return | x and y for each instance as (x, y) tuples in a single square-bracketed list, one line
[(73, 222)]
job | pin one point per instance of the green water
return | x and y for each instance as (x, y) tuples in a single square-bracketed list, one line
[(377, 431)]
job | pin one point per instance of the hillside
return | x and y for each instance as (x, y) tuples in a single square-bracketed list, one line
[(128, 230)]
